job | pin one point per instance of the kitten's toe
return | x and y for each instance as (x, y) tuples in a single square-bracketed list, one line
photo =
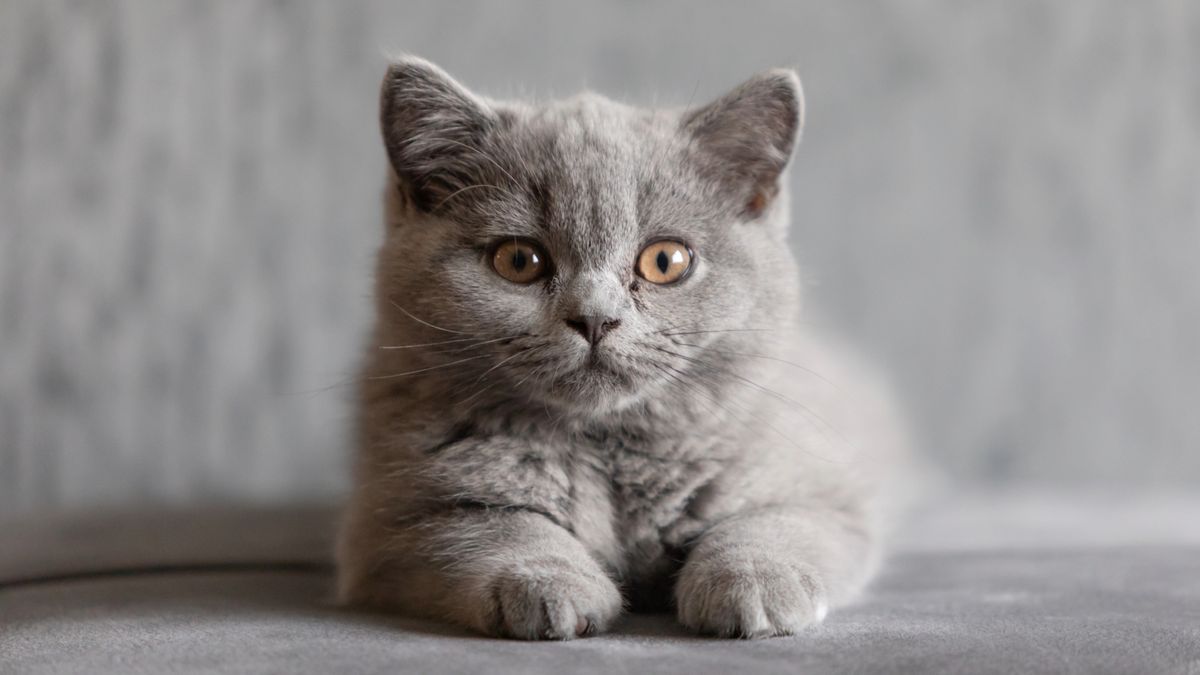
[(552, 602), (749, 597)]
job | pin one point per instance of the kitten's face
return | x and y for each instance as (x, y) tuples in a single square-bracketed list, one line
[(577, 251)]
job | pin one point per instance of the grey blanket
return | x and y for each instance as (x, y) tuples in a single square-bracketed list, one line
[(1043, 585)]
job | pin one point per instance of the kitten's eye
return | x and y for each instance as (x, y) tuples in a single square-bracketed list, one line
[(664, 261), (520, 261)]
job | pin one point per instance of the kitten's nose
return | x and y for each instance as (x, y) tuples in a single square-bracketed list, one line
[(592, 327)]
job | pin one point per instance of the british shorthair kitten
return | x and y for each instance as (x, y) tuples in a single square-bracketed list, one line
[(587, 388)]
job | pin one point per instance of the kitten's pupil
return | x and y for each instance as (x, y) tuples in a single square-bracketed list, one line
[(519, 260), (662, 261)]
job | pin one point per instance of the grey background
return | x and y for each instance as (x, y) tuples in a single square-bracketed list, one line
[(999, 200)]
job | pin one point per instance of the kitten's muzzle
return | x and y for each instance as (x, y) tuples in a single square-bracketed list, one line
[(593, 328)]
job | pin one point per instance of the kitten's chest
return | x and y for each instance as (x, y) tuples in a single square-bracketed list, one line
[(652, 494)]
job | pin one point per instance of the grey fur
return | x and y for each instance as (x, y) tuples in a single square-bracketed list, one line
[(512, 479)]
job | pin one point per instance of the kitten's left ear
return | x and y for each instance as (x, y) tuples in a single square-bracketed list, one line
[(746, 137)]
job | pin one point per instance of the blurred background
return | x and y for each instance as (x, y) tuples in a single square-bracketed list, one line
[(999, 201)]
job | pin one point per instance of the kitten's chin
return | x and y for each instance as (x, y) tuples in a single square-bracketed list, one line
[(596, 407), (593, 391)]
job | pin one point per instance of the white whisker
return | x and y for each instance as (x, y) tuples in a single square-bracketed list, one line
[(454, 194), (424, 322), (425, 370), (426, 344)]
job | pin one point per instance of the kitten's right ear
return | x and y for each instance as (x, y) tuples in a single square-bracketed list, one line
[(432, 129)]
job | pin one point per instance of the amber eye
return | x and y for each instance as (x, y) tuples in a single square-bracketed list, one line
[(664, 261), (520, 261)]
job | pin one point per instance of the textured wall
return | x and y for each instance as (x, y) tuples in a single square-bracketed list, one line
[(1001, 200)]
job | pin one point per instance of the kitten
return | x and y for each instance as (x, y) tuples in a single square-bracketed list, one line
[(587, 388)]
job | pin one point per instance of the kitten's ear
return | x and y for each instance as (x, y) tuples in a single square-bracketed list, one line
[(432, 129), (746, 137)]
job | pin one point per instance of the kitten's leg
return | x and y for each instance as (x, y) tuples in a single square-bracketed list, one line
[(506, 573), (773, 571)]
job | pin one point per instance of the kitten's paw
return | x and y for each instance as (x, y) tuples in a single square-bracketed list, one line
[(749, 596), (552, 600)]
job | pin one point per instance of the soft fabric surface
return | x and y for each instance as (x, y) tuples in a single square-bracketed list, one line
[(977, 586), (1037, 611)]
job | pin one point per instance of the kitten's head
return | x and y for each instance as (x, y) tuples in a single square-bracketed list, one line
[(569, 254)]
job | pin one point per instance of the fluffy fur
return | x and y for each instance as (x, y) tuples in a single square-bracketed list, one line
[(704, 456)]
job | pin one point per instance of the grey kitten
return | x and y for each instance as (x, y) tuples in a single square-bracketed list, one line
[(586, 388)]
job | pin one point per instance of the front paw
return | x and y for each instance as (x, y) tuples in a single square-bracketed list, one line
[(749, 596), (551, 599)]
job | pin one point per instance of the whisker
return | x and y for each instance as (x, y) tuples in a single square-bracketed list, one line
[(531, 374), (482, 154), (722, 330), (481, 377), (753, 417), (765, 357), (424, 322), (678, 377), (502, 362), (485, 342), (766, 390), (476, 394), (427, 344), (454, 194), (426, 370)]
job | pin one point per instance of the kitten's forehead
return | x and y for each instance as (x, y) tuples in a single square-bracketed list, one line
[(587, 161)]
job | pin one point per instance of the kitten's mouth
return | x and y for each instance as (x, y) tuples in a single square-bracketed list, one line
[(594, 361), (596, 380), (595, 370), (604, 363)]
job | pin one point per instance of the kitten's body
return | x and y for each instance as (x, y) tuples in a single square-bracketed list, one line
[(513, 478)]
